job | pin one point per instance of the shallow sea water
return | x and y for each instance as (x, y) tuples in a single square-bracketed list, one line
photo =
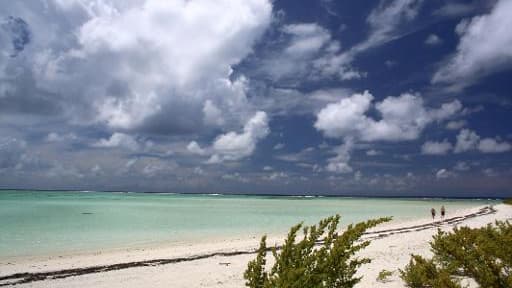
[(44, 222)]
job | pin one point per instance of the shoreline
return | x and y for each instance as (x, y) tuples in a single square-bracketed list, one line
[(103, 263)]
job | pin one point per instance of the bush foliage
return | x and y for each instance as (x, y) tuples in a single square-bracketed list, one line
[(508, 201), (483, 254), (384, 275), (313, 262)]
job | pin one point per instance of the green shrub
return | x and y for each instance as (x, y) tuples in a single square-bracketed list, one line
[(508, 201), (483, 254), (312, 262), (420, 273), (384, 275)]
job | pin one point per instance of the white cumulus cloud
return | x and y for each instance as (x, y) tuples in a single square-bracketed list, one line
[(402, 118), (433, 40), (118, 140), (158, 66), (307, 38), (436, 148), (194, 148), (234, 146), (490, 145), (340, 163), (455, 124), (56, 137), (444, 173), (484, 47), (468, 140)]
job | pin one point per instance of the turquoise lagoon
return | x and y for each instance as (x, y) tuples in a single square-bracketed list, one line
[(37, 223)]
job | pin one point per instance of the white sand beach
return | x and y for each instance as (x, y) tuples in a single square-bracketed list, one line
[(389, 250)]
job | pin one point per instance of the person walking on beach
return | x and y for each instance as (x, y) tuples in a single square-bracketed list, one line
[(433, 212), (443, 212)]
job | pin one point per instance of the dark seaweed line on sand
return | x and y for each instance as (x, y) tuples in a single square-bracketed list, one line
[(22, 278), (450, 221)]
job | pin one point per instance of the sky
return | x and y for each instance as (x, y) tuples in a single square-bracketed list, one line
[(396, 98)]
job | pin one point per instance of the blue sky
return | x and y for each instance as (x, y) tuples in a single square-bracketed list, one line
[(399, 97)]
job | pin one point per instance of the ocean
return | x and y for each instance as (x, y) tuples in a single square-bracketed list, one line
[(39, 223)]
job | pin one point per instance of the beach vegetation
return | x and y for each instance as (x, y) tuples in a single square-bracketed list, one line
[(384, 275), (482, 254), (508, 201), (321, 258)]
